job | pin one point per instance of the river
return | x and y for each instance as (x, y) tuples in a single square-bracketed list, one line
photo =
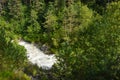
[(36, 56)]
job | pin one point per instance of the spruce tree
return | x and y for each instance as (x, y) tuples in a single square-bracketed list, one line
[(50, 24), (76, 17), (32, 27), (15, 9), (37, 5)]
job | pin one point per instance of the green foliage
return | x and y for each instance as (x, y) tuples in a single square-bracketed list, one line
[(13, 54), (95, 56), (98, 5), (18, 75), (67, 22), (84, 35), (33, 28), (15, 9)]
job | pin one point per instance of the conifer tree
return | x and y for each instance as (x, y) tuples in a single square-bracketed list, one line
[(59, 5), (37, 5), (51, 19), (33, 28), (50, 24), (15, 9), (76, 18), (0, 8)]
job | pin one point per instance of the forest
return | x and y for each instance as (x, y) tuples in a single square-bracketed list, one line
[(83, 34)]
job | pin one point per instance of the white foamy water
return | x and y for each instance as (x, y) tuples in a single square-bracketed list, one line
[(36, 56)]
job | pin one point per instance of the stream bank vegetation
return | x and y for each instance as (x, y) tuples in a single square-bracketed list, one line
[(84, 35)]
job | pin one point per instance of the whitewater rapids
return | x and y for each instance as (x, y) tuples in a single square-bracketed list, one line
[(36, 56)]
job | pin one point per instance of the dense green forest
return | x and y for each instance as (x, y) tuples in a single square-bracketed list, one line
[(84, 35)]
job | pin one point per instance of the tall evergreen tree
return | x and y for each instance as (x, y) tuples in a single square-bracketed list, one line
[(50, 24), (76, 18), (37, 5), (32, 27), (59, 5), (15, 9)]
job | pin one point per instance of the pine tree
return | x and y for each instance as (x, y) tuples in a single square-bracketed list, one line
[(15, 9), (69, 2), (37, 5), (1, 8), (59, 5), (32, 28), (76, 18), (50, 24), (51, 19)]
